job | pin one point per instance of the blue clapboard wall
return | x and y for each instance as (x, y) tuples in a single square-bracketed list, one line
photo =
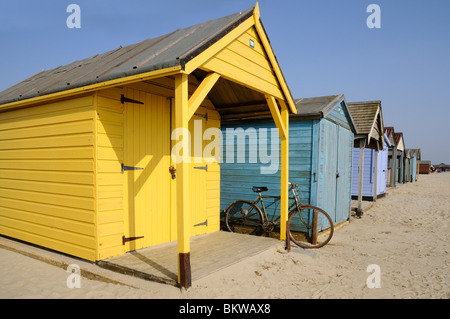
[(320, 161)]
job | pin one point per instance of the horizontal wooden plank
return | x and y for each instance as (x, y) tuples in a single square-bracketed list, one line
[(110, 229), (108, 204), (64, 224), (49, 165), (45, 176), (86, 126), (49, 153), (51, 243), (110, 191), (50, 210), (105, 140), (109, 129), (49, 232), (109, 116), (110, 216), (48, 108), (110, 179), (51, 199), (110, 104), (109, 166), (239, 60), (65, 116), (47, 142), (49, 187), (242, 77), (107, 153)]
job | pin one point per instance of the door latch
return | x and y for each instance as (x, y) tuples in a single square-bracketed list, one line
[(202, 167), (172, 171)]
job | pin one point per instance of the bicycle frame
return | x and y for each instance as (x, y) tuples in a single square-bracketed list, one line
[(295, 203)]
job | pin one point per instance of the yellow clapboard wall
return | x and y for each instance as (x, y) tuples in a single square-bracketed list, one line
[(47, 181)]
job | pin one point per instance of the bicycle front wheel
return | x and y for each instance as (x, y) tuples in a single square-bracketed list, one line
[(244, 217), (311, 227)]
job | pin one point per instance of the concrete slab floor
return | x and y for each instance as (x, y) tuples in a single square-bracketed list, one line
[(209, 253)]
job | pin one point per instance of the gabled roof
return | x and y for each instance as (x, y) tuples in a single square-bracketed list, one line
[(321, 106), (316, 105), (181, 51), (368, 119), (398, 137), (399, 141), (171, 50)]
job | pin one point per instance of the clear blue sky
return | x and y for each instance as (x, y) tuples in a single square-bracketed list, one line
[(324, 47)]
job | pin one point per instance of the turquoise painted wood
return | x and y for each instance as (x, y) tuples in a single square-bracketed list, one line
[(413, 168), (320, 161)]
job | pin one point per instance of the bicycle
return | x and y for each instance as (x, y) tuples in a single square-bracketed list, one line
[(309, 226)]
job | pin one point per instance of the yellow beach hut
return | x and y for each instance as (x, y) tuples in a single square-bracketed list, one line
[(85, 149)]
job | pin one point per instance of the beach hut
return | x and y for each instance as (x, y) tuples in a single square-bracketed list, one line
[(424, 167), (399, 172), (368, 119), (372, 166), (320, 151), (407, 160), (389, 133), (85, 149)]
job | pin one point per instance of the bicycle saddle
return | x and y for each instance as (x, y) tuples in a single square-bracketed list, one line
[(260, 189)]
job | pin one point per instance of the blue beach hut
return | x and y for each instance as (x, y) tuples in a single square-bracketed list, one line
[(369, 124), (320, 157), (375, 172)]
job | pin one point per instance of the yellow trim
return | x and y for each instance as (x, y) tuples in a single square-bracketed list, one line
[(276, 116), (265, 41), (93, 87), (183, 180), (284, 189), (201, 92), (203, 57)]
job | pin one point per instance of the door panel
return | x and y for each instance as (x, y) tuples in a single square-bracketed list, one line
[(147, 191), (197, 126)]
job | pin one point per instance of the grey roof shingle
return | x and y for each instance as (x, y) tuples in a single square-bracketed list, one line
[(316, 105)]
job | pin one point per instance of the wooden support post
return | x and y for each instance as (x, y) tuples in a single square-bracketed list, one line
[(182, 181), (284, 187), (393, 166), (315, 230), (362, 143), (281, 120), (375, 177), (400, 171), (201, 92)]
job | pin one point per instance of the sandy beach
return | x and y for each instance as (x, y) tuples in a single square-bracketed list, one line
[(406, 234)]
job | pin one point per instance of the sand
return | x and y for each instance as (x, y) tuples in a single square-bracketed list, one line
[(405, 234)]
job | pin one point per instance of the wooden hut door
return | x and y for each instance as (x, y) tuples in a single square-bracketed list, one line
[(146, 175), (199, 171), (344, 154)]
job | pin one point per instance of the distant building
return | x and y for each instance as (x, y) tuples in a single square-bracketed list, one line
[(439, 168), (424, 167)]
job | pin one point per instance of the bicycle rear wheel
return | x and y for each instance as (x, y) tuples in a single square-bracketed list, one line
[(244, 217), (312, 227)]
